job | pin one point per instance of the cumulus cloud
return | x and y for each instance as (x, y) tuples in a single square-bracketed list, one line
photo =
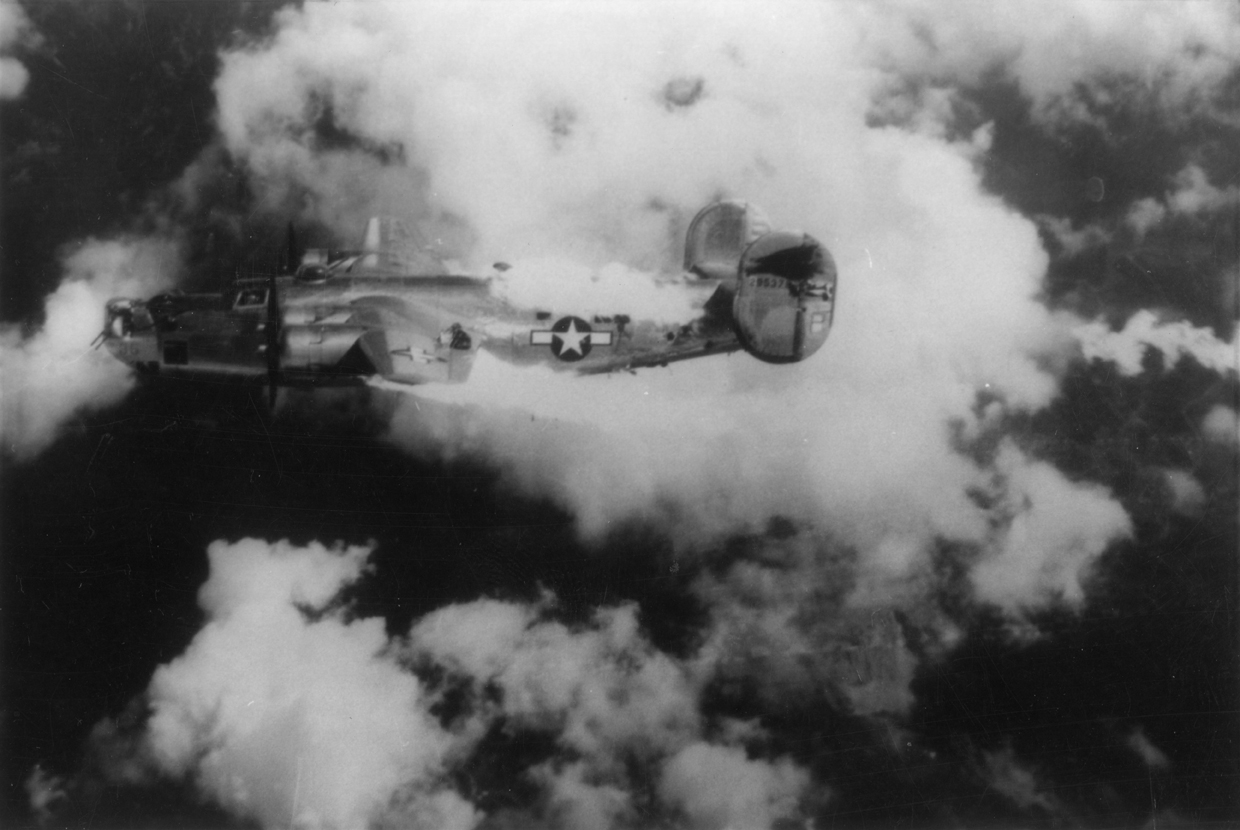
[(1071, 239), (797, 616), (52, 373), (1193, 194), (595, 165), (44, 792), (1055, 529), (1176, 340), (575, 141), (1071, 58), (281, 719), (284, 710), (601, 689), (1153, 757), (1187, 494), (718, 787), (1221, 425), (1006, 774), (288, 710), (16, 30)]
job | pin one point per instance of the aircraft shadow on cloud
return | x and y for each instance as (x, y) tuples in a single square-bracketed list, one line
[(390, 312)]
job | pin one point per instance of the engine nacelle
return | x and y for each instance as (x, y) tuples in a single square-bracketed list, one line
[(318, 347), (785, 297)]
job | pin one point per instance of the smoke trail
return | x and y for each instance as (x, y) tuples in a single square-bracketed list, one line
[(52, 374), (1176, 340)]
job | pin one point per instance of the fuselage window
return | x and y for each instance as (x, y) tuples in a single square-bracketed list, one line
[(251, 298)]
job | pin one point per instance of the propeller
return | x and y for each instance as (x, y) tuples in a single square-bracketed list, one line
[(273, 330), (292, 255)]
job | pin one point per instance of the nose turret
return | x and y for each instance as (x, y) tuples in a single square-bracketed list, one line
[(129, 332)]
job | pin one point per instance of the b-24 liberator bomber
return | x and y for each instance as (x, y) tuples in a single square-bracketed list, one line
[(390, 311)]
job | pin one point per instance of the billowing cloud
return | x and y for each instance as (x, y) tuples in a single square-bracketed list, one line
[(1073, 59), (1153, 757), (1193, 194), (1187, 494), (1221, 425), (796, 618), (1071, 239), (575, 141), (938, 302), (718, 787), (616, 705), (603, 689), (51, 374), (15, 31), (594, 167), (1006, 774), (285, 711), (288, 710), (1056, 529), (44, 792)]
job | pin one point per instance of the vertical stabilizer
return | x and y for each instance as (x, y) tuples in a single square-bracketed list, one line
[(372, 242), (719, 235)]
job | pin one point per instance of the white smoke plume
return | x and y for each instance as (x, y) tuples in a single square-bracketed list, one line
[(287, 710), (1175, 340), (51, 374), (16, 30)]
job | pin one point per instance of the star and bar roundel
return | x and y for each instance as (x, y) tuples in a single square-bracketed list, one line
[(570, 338)]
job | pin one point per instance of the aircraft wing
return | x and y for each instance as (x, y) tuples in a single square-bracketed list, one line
[(594, 344), (390, 249), (410, 342)]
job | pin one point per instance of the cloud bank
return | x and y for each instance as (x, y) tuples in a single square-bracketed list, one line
[(616, 125), (1073, 59), (576, 141), (287, 709)]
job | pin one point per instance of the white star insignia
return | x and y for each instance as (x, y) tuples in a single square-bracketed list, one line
[(570, 341)]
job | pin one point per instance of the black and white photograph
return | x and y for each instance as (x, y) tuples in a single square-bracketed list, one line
[(619, 414)]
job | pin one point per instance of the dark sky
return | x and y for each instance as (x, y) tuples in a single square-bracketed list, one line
[(1107, 711)]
